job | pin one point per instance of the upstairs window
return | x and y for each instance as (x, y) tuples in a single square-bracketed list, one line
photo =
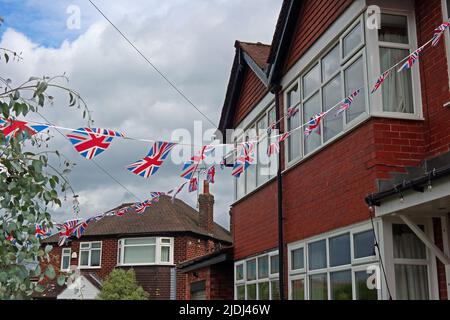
[(65, 259), (145, 251), (395, 45)]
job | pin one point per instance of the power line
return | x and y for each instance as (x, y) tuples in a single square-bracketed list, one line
[(153, 66)]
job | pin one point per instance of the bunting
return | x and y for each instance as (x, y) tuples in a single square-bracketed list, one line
[(211, 174), (193, 184), (438, 32), (153, 161), (42, 232), (412, 58), (347, 102), (11, 128), (380, 80), (180, 188), (245, 159), (90, 142), (314, 124)]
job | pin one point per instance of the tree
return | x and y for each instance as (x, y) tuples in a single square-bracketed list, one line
[(122, 285), (30, 185)]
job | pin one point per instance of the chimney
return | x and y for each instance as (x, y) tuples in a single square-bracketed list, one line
[(206, 208)]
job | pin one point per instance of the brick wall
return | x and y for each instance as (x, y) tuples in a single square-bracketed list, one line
[(218, 281)]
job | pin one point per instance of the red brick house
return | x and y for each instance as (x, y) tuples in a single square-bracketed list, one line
[(152, 243), (387, 157)]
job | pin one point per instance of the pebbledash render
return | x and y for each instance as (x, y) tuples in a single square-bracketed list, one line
[(387, 157), (153, 243)]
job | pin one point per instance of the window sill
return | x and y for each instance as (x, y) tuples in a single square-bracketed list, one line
[(397, 115), (82, 267), (145, 264)]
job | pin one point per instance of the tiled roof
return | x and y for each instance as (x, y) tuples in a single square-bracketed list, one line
[(161, 217), (259, 52)]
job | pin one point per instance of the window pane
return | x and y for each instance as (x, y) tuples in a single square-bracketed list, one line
[(275, 287), (332, 94), (240, 292), (411, 282), (354, 79), (251, 291), (298, 289), (165, 254), (297, 259), (393, 29), (310, 109), (140, 241), (85, 245), (352, 40), (66, 251), (239, 272), (294, 139), (406, 244), (364, 244), (251, 269), (263, 267), (317, 254), (361, 289), (397, 87), (318, 287), (293, 97), (263, 160), (340, 250), (341, 285), (96, 245), (330, 63), (274, 264), (251, 170), (311, 81), (139, 254), (274, 158), (65, 263), (263, 291), (95, 258), (165, 240), (84, 258)]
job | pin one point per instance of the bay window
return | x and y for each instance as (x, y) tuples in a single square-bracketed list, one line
[(145, 251), (256, 278), (90, 254), (333, 267), (265, 167)]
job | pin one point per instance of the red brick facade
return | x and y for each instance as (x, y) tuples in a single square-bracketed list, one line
[(218, 281)]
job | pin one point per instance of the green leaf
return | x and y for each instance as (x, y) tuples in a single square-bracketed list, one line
[(48, 248), (50, 272), (61, 280)]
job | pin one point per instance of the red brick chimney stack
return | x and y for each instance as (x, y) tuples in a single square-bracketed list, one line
[(206, 208)]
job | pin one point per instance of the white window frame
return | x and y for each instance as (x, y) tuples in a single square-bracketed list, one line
[(89, 256), (158, 246), (390, 261), (244, 282), (64, 254), (354, 266), (373, 48), (345, 62)]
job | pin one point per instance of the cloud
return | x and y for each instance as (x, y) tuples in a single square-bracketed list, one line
[(190, 41)]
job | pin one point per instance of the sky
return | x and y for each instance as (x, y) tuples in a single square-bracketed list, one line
[(190, 41)]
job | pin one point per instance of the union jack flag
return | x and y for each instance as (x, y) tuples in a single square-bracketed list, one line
[(121, 212), (273, 148), (90, 142), (412, 58), (380, 80), (191, 166), (153, 161), (42, 232), (96, 218), (271, 127), (245, 159), (67, 229), (347, 102), (10, 238), (438, 33), (11, 128), (314, 123), (139, 207), (193, 184), (292, 111), (211, 174), (154, 196), (180, 188), (80, 229)]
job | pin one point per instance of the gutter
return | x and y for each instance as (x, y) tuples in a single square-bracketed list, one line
[(417, 184)]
